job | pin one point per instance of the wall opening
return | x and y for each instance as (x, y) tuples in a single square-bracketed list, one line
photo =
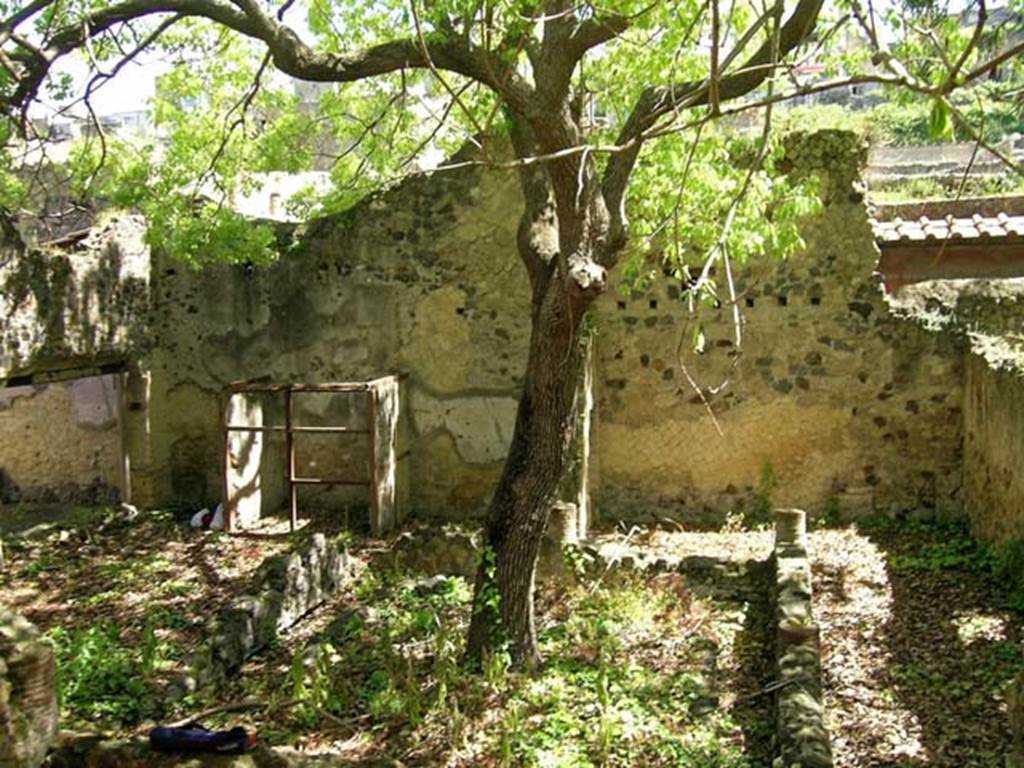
[(312, 446), (61, 446)]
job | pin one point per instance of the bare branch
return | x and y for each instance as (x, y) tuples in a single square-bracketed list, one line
[(456, 98), (658, 101), (979, 29), (289, 53), (977, 136), (1010, 54)]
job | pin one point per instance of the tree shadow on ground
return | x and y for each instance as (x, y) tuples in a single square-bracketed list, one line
[(753, 649), (145, 580), (953, 648)]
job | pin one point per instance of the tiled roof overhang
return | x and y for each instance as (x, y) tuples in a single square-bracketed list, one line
[(950, 240)]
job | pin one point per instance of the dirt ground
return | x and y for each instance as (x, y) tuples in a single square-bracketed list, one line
[(916, 660)]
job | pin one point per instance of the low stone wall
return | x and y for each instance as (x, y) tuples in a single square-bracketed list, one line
[(28, 693), (287, 588), (97, 752), (802, 738)]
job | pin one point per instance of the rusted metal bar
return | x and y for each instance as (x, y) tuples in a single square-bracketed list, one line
[(229, 512), (323, 481), (289, 439), (300, 388), (296, 429), (290, 429)]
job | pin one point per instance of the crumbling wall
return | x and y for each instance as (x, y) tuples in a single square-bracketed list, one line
[(847, 405), (61, 441), (987, 319), (422, 280), (81, 306), (994, 450)]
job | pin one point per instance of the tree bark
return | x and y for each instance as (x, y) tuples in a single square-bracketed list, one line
[(518, 514)]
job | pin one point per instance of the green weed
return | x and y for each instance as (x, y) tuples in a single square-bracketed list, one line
[(102, 678)]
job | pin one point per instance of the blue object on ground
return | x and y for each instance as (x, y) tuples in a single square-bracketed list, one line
[(195, 739)]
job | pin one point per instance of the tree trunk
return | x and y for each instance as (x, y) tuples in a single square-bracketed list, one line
[(518, 514)]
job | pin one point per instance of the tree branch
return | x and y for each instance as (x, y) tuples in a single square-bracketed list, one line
[(537, 236), (661, 100), (289, 53)]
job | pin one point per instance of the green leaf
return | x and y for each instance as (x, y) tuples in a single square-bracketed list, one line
[(940, 124)]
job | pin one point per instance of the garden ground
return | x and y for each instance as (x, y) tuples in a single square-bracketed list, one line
[(642, 669)]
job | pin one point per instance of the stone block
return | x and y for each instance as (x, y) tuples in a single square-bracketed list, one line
[(790, 527), (288, 587), (28, 693), (802, 738)]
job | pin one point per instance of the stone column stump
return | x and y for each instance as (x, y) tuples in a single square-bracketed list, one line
[(28, 693), (1015, 705)]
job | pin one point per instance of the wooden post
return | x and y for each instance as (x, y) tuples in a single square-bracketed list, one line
[(289, 438)]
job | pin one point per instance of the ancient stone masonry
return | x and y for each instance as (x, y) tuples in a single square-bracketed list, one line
[(64, 441), (802, 738), (986, 318), (287, 588), (82, 307), (28, 693), (423, 280), (832, 391)]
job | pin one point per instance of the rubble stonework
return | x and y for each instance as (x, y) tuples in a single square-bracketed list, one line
[(287, 588), (850, 406), (801, 735), (28, 693)]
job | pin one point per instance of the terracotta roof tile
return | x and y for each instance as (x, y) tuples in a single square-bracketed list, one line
[(1001, 226)]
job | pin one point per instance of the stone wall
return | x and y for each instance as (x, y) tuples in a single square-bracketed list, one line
[(61, 441), (831, 393), (994, 450), (832, 390), (28, 693), (81, 307), (423, 280), (987, 317)]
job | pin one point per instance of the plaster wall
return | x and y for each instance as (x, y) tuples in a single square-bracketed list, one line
[(844, 400), (62, 441), (79, 307), (994, 450), (422, 281)]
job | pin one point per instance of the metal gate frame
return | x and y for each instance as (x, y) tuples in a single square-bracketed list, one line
[(290, 429)]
